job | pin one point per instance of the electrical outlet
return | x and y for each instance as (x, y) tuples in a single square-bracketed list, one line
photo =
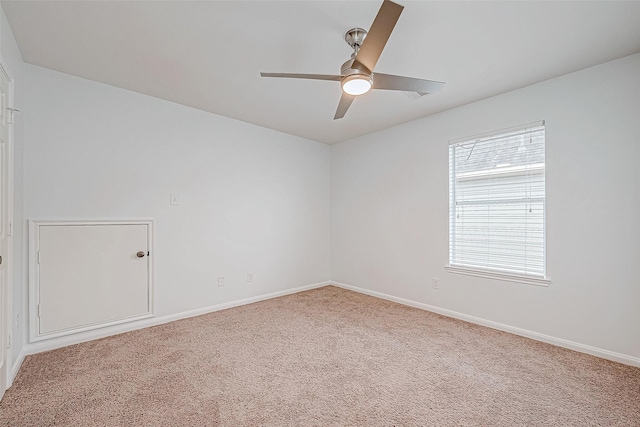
[(220, 281), (249, 277), (436, 283)]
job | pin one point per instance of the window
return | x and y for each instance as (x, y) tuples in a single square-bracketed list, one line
[(497, 205)]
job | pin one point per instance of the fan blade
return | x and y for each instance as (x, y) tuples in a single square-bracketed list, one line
[(343, 106), (303, 76), (407, 84), (377, 36)]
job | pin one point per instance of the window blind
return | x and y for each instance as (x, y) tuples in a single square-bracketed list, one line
[(497, 202)]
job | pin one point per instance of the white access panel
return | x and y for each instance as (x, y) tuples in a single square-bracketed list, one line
[(90, 275)]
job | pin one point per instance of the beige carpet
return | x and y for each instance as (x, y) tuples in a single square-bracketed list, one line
[(326, 357)]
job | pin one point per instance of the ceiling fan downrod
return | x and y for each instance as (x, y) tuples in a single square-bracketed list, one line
[(354, 38)]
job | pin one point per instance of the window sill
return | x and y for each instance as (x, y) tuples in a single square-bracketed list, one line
[(528, 280)]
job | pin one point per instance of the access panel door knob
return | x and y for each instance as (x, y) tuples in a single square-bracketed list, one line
[(140, 254)]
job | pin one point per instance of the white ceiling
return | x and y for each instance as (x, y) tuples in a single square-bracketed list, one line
[(208, 54)]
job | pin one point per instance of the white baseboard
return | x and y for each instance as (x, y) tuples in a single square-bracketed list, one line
[(53, 343), (16, 367), (560, 342)]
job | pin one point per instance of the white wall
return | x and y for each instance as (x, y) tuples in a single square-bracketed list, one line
[(12, 60), (255, 199), (251, 199), (389, 196)]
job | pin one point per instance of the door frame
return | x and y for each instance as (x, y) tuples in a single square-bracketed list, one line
[(6, 339), (34, 276)]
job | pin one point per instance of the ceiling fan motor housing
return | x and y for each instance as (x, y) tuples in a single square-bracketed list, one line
[(351, 75), (347, 69)]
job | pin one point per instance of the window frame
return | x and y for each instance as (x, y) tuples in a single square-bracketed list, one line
[(490, 273)]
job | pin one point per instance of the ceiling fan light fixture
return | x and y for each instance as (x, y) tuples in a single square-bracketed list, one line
[(357, 84)]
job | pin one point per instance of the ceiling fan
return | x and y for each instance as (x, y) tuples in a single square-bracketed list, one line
[(356, 75)]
